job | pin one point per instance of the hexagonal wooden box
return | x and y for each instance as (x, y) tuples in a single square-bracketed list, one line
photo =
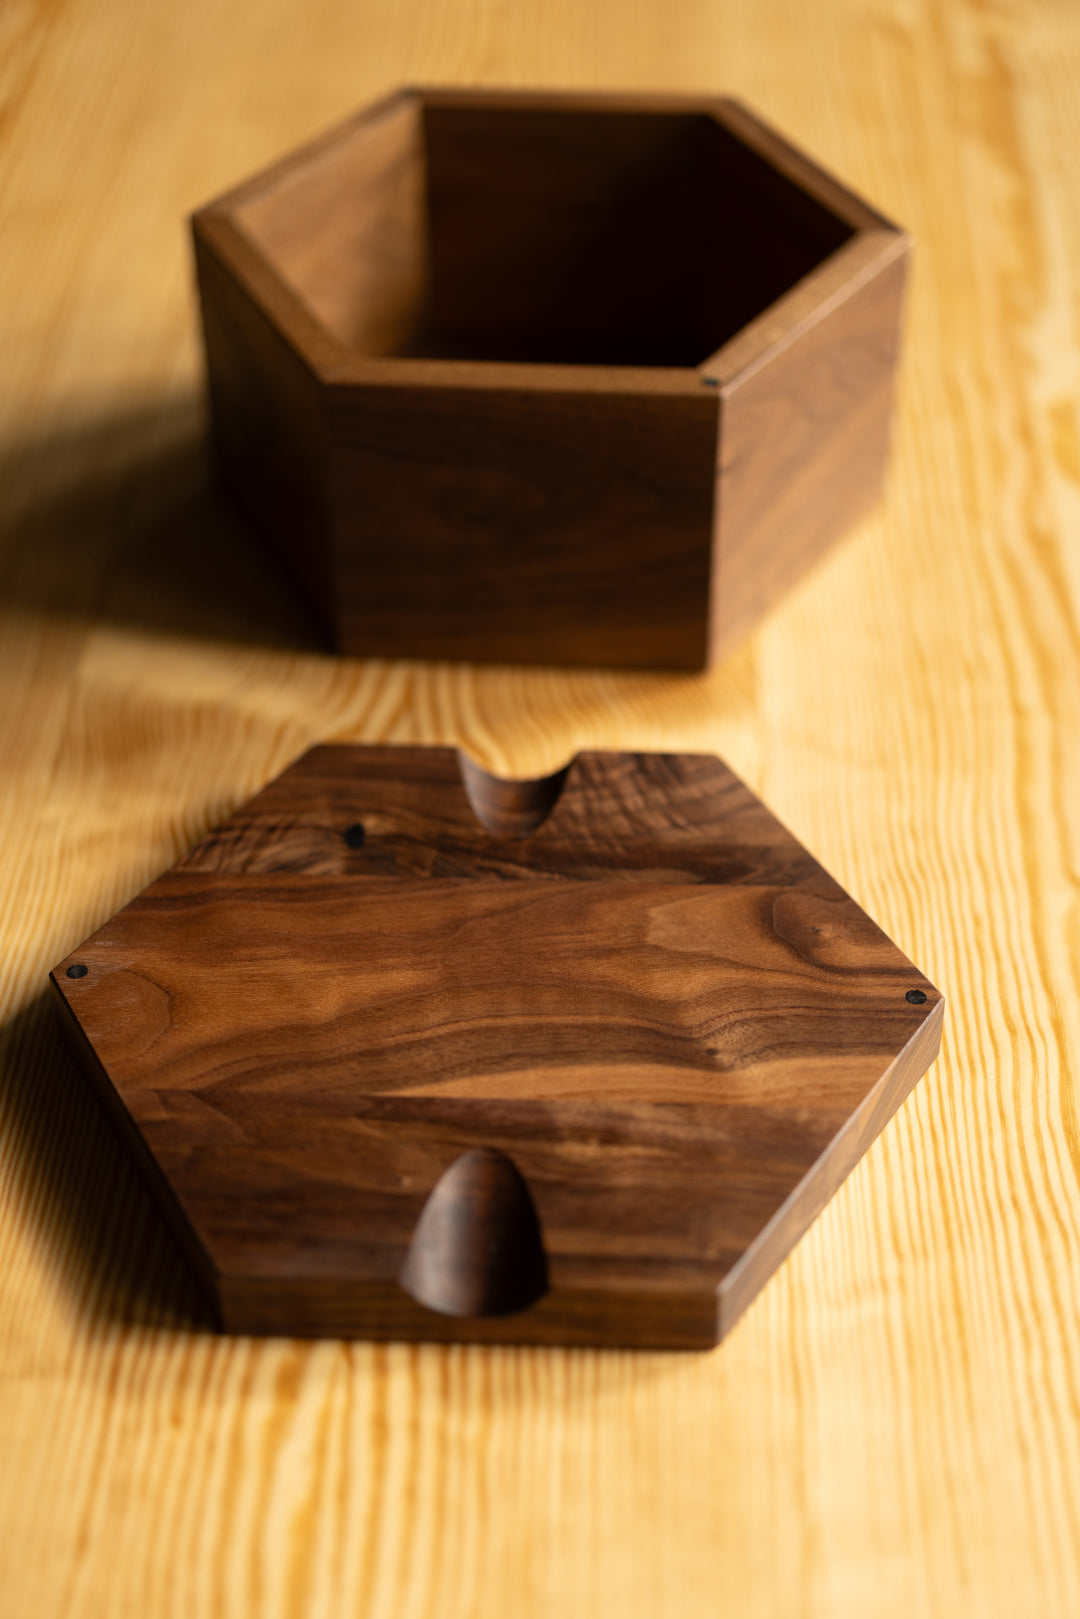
[(408, 1051), (557, 378)]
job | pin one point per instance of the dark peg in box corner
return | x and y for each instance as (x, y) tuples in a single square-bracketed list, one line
[(559, 378)]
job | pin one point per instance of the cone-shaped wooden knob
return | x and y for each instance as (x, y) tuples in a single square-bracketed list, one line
[(477, 1248)]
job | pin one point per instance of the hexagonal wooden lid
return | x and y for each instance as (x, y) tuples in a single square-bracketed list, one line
[(409, 1051)]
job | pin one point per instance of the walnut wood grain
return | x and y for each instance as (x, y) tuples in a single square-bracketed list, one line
[(627, 984), (432, 812), (578, 379)]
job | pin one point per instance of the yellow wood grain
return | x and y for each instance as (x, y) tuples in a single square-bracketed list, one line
[(894, 1428)]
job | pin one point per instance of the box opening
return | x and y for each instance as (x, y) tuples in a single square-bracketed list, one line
[(537, 234)]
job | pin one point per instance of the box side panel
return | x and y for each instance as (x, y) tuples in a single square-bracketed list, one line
[(566, 235), (267, 430), (803, 446), (523, 526), (344, 227)]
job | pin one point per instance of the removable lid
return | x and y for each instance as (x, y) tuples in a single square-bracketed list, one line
[(410, 1051)]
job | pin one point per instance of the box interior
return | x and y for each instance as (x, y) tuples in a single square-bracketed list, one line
[(537, 234)]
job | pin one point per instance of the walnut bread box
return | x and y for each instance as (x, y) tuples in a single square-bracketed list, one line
[(571, 379)]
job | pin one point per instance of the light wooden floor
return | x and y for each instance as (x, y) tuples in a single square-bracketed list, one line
[(894, 1429)]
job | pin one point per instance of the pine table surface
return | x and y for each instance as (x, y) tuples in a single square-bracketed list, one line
[(894, 1427)]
